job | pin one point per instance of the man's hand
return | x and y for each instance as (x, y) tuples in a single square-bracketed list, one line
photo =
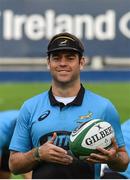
[(104, 156), (52, 153)]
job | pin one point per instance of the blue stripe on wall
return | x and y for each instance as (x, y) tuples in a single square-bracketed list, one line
[(32, 76)]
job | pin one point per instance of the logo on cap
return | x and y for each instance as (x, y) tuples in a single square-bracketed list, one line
[(63, 43)]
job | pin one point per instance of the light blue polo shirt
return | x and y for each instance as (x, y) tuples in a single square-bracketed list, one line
[(7, 124), (126, 133), (41, 115)]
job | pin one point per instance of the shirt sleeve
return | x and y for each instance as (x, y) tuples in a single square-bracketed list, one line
[(112, 116), (126, 133), (21, 140), (2, 141)]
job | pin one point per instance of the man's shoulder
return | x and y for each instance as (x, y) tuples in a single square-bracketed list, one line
[(8, 116), (95, 96), (98, 100)]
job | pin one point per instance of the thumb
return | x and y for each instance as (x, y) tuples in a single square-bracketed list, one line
[(53, 138)]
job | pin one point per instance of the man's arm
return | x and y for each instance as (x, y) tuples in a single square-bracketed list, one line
[(116, 158), (120, 162), (20, 163)]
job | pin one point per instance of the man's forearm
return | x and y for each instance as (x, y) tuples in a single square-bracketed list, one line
[(120, 162), (22, 162)]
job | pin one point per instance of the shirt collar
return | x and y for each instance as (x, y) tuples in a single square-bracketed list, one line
[(76, 102)]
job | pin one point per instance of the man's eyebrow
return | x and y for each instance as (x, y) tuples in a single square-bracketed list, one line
[(68, 53)]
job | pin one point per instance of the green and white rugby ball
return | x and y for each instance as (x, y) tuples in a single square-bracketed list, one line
[(92, 134)]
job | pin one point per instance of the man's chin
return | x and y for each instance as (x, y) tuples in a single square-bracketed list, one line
[(63, 81)]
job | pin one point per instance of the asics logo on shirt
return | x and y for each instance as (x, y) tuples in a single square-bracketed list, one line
[(44, 115)]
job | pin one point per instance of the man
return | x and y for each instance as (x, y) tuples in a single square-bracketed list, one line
[(7, 125), (41, 136), (108, 173)]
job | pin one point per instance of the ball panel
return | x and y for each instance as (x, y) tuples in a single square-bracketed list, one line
[(85, 139), (81, 128), (99, 135), (77, 137)]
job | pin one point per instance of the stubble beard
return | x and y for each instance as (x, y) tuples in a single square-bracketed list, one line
[(66, 83)]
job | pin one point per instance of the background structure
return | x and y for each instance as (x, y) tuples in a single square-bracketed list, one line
[(27, 26)]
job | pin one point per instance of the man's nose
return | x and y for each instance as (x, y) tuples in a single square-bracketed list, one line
[(63, 61)]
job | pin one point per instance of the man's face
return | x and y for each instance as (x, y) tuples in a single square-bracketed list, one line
[(65, 66)]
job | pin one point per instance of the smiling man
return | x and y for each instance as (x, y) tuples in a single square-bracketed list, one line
[(41, 137)]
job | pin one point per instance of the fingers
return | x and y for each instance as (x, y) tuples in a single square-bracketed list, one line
[(107, 152), (61, 158), (63, 161), (51, 152), (99, 157), (56, 148), (115, 146), (56, 154), (53, 138), (102, 151), (104, 155), (52, 149)]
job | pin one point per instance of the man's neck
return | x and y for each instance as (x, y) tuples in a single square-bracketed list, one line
[(65, 91)]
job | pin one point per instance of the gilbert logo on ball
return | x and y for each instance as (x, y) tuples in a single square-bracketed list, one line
[(85, 139)]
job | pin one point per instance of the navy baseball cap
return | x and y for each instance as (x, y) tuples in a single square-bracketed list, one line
[(65, 41)]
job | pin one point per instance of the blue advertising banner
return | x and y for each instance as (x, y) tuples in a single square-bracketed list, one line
[(44, 76), (27, 25)]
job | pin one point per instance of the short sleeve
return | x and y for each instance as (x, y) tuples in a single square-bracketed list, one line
[(112, 116), (21, 140)]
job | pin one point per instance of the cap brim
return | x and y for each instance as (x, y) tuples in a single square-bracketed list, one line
[(64, 48)]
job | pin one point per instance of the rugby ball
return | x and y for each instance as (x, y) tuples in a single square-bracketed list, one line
[(89, 135)]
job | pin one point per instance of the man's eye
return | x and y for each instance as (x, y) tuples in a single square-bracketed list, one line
[(55, 58), (71, 58)]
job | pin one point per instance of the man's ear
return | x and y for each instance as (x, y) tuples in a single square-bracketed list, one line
[(82, 63), (48, 67), (48, 64)]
